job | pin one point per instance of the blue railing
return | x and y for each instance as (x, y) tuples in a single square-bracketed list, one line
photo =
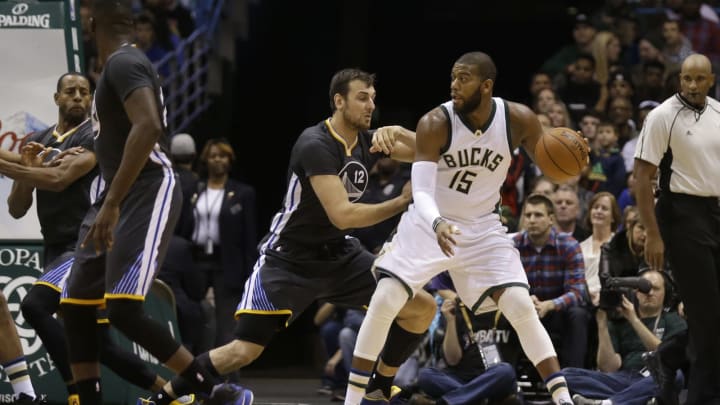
[(185, 85)]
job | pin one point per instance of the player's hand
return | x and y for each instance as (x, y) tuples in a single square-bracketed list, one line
[(407, 191), (384, 138), (654, 251), (445, 237), (101, 232), (57, 160), (33, 154)]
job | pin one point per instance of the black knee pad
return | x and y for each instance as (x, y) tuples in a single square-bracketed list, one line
[(81, 332), (41, 301), (259, 329)]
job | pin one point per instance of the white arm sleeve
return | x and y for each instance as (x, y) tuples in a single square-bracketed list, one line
[(424, 179)]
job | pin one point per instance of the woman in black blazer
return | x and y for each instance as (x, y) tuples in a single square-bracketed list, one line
[(224, 233)]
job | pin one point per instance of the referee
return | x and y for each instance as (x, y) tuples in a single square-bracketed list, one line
[(682, 138)]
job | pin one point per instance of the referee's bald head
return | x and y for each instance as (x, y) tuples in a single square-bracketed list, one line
[(113, 14)]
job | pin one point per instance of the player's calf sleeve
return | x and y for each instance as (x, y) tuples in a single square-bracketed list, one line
[(123, 363), (516, 305), (389, 297), (81, 332), (130, 318), (400, 345), (38, 308)]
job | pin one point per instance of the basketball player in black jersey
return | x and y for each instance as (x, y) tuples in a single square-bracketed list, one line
[(124, 236), (308, 254), (64, 194)]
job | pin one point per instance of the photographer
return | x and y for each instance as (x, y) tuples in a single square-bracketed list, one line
[(471, 348), (621, 378)]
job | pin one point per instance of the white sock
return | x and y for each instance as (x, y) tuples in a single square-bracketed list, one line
[(17, 373), (357, 382), (557, 386), (607, 402)]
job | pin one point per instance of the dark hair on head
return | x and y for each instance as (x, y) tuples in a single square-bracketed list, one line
[(221, 143), (64, 75), (113, 14), (482, 62), (340, 82), (538, 199), (614, 210)]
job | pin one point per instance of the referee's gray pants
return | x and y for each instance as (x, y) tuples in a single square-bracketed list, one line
[(690, 227)]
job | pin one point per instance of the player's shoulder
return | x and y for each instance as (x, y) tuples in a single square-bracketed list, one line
[(312, 136), (438, 117), (127, 56)]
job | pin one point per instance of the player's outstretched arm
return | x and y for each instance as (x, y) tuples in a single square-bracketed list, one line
[(9, 156), (396, 142)]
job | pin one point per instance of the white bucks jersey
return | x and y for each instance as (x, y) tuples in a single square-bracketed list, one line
[(472, 169)]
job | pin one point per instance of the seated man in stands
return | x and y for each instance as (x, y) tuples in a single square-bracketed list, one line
[(555, 269), (475, 372), (621, 378)]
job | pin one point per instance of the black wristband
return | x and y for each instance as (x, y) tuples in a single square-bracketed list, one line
[(436, 222)]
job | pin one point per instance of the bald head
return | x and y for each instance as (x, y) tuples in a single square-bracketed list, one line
[(482, 62), (698, 62), (696, 79)]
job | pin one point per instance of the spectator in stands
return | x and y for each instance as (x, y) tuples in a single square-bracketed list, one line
[(154, 42), (182, 151), (677, 47), (606, 51), (649, 50), (588, 126), (651, 85), (559, 115), (621, 112), (627, 196), (544, 99), (563, 60), (625, 249), (603, 218), (608, 166), (556, 274), (173, 15), (568, 213), (539, 81), (329, 319), (703, 33), (471, 376), (581, 93), (621, 86), (225, 233), (621, 344)]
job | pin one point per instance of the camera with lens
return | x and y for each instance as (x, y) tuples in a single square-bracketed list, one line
[(612, 288)]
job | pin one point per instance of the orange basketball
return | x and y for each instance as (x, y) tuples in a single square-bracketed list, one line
[(561, 154)]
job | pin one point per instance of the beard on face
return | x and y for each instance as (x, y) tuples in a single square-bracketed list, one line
[(471, 103), (359, 123), (74, 117)]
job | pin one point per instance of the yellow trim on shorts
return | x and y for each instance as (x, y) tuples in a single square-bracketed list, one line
[(103, 321), (109, 296), (49, 285), (83, 301), (265, 312)]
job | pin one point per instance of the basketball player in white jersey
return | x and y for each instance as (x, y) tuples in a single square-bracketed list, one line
[(464, 148)]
